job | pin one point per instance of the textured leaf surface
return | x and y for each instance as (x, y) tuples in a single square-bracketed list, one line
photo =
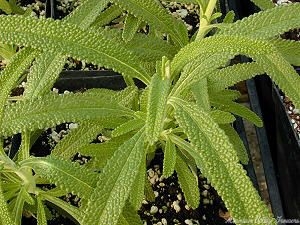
[(218, 161), (151, 48), (218, 45), (129, 216), (156, 110), (221, 117), (116, 182), (77, 138), (65, 174), (107, 16), (54, 109), (200, 92), (158, 17), (41, 215), (289, 49), (188, 183), (127, 127), (131, 27), (12, 72), (169, 158), (71, 40), (237, 109), (5, 217), (267, 24), (43, 73), (236, 142), (264, 4), (231, 75), (283, 74)]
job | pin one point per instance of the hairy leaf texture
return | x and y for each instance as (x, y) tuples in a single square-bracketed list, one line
[(169, 158), (236, 109), (12, 72), (41, 215), (43, 73), (289, 49), (73, 211), (127, 127), (200, 92), (94, 47), (102, 152), (77, 138), (86, 13), (154, 14), (137, 195), (197, 70), (107, 16), (266, 24), (188, 183), (218, 161), (156, 110), (48, 65), (264, 4), (5, 217), (218, 45), (283, 74), (151, 48), (129, 216), (236, 142), (230, 75), (131, 27), (115, 183), (67, 175), (55, 109), (221, 117)]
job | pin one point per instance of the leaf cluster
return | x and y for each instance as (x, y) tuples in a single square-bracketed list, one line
[(187, 108)]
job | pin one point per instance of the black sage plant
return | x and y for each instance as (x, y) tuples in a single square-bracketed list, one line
[(186, 108)]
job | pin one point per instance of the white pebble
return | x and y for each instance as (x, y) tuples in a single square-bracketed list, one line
[(179, 197), (153, 210), (164, 221), (176, 206), (155, 193), (188, 222), (206, 186)]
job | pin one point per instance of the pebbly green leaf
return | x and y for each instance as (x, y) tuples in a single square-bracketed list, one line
[(188, 183), (12, 72), (200, 92), (67, 175), (127, 127), (158, 93), (107, 16), (115, 183), (289, 49), (266, 24), (131, 27), (237, 109), (41, 215), (71, 40), (154, 14), (5, 217), (137, 194), (169, 158), (54, 109), (217, 159), (264, 4), (228, 76), (77, 138), (236, 142), (221, 117)]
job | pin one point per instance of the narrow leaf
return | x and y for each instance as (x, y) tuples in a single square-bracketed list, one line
[(116, 182), (131, 27), (41, 215), (188, 183), (5, 217), (157, 98), (169, 158)]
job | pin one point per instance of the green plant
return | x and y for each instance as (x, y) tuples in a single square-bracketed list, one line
[(186, 108)]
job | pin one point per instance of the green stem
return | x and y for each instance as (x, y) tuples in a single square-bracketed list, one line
[(205, 19)]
